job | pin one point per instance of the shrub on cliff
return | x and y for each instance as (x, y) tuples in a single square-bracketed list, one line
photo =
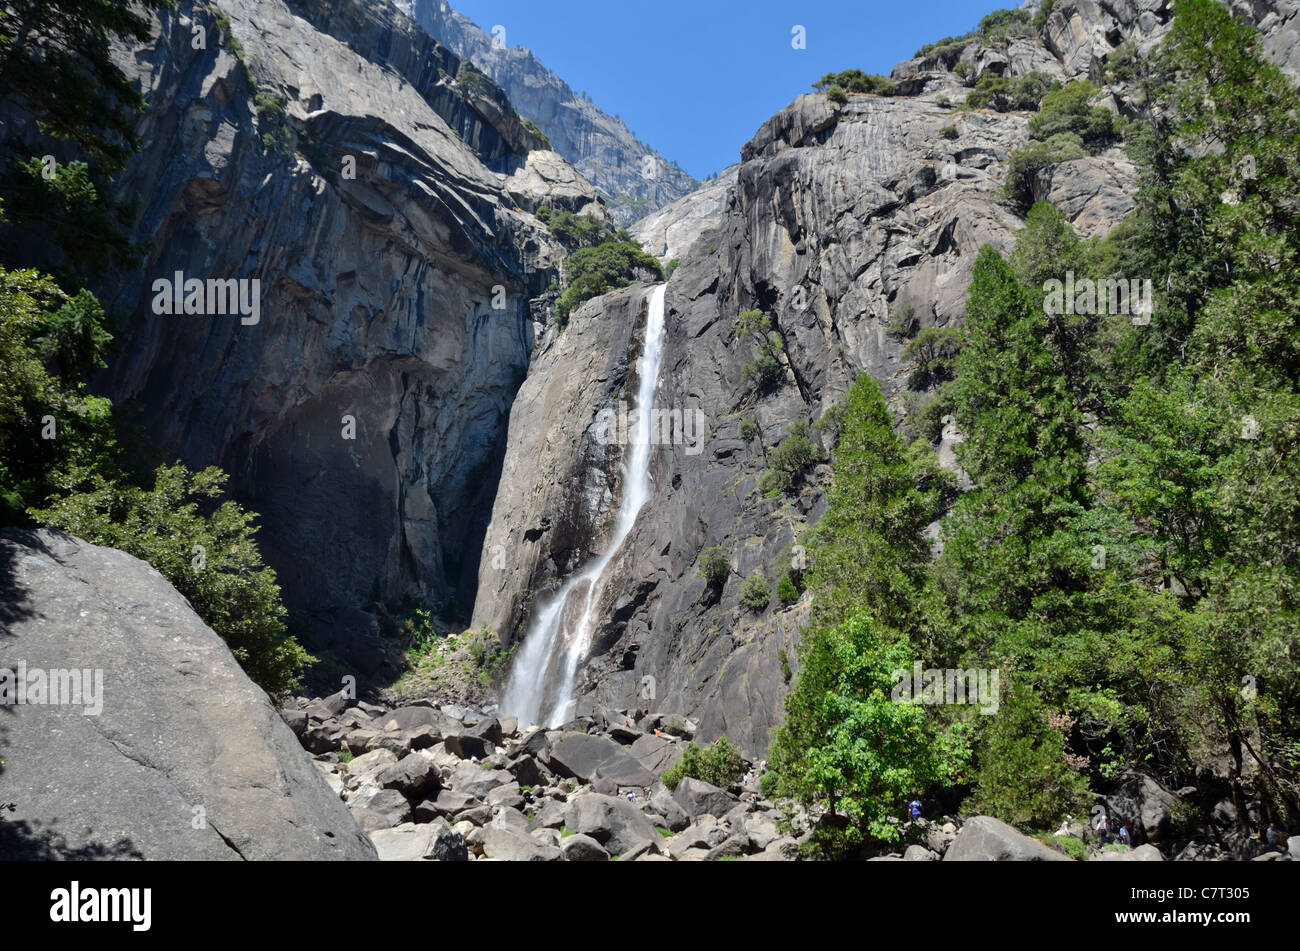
[(592, 271), (756, 592), (788, 462), (715, 566), (855, 80), (1066, 109), (1026, 163)]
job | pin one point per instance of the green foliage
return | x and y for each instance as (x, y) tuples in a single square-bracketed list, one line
[(786, 590), (756, 592), (846, 745), (575, 231), (764, 373), (48, 343), (1066, 109), (767, 785), (933, 352), (1007, 95), (1124, 64), (867, 552), (56, 66), (1044, 12), (855, 80), (720, 765), (532, 127), (949, 132), (831, 422), (671, 267), (1024, 779), (790, 461), (837, 94), (714, 566), (1001, 25), (204, 547), (592, 271), (1026, 163)]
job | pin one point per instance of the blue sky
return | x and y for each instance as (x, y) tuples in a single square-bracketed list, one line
[(696, 78)]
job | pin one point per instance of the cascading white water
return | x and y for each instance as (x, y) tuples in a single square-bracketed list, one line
[(560, 634)]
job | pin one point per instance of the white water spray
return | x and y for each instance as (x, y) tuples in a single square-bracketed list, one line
[(540, 687)]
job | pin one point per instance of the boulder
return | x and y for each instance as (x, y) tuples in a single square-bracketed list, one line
[(508, 817), (612, 821), (587, 758), (696, 798), (527, 771), (761, 830), (172, 752), (1145, 802), (1143, 853), (551, 815), (465, 746), (506, 845), (364, 770), (383, 809), (919, 853), (985, 839), (470, 779), (435, 841), (674, 816), (448, 803), (583, 848), (414, 776), (489, 729), (507, 795), (654, 752), (733, 846)]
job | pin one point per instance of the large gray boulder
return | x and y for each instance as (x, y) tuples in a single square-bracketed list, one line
[(1143, 853), (508, 845), (1146, 803), (432, 842), (985, 839), (187, 759), (612, 821), (587, 758), (696, 797)]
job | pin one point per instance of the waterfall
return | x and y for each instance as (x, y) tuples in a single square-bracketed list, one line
[(540, 686)]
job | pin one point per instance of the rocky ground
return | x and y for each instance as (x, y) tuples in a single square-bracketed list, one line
[(451, 783)]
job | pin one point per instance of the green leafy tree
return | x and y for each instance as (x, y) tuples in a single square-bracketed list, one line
[(49, 424), (206, 548), (846, 745)]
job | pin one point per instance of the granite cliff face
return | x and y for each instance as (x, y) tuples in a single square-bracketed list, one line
[(842, 219), (633, 178), (382, 193)]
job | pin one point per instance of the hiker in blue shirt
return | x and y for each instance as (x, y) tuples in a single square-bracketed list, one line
[(915, 807)]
